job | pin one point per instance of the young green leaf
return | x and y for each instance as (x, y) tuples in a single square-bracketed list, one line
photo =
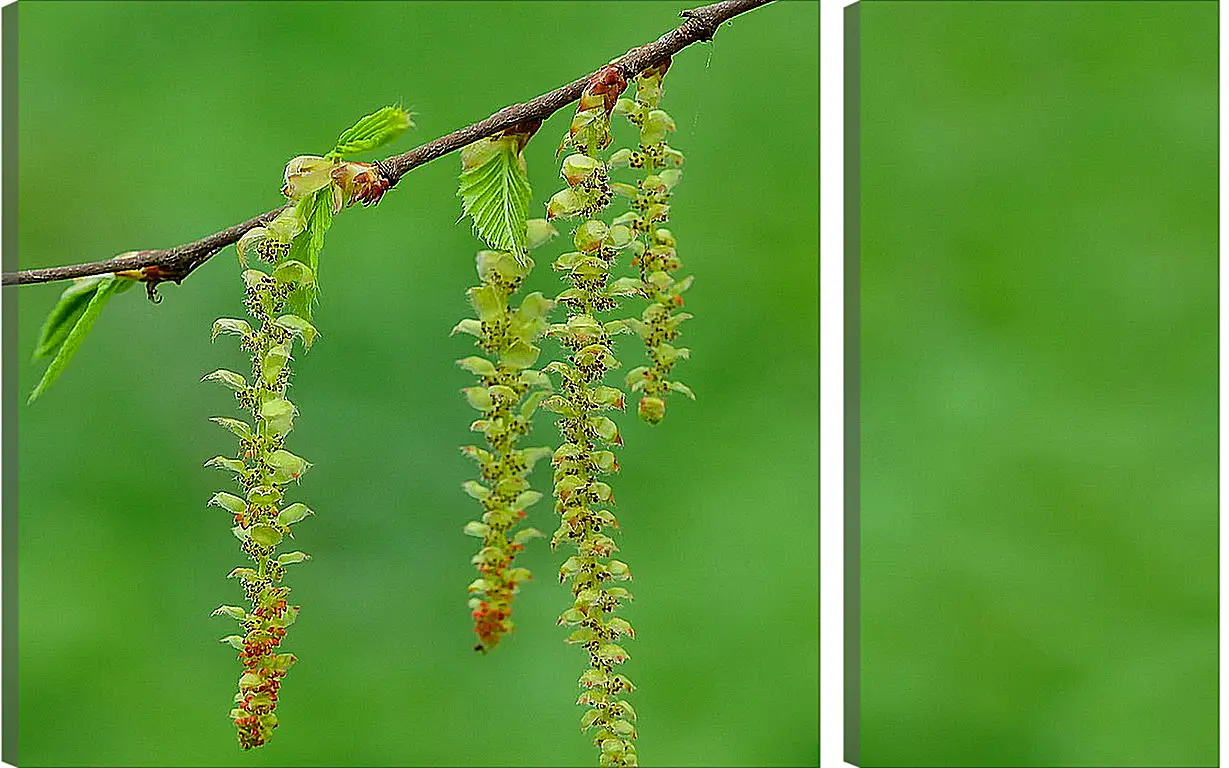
[(65, 314), (107, 287), (318, 210), (374, 130), (319, 223), (495, 193)]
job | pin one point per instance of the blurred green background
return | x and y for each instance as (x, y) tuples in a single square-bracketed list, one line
[(146, 125), (1039, 383)]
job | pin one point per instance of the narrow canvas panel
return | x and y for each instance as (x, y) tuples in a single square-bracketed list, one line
[(1033, 485)]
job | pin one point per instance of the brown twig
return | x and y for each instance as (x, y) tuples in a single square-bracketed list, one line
[(174, 264)]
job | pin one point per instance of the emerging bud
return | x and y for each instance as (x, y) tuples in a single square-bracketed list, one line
[(306, 175), (608, 83), (522, 132), (359, 183)]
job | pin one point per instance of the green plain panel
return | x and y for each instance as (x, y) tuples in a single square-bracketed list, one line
[(1038, 383)]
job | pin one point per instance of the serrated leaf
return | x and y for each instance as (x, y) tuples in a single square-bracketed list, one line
[(495, 195), (107, 287), (374, 130)]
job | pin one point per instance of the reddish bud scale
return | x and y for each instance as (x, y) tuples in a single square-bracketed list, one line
[(346, 182), (607, 82), (360, 183), (590, 128), (523, 132)]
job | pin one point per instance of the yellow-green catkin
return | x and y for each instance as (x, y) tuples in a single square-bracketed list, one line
[(581, 499), (507, 395), (264, 469), (654, 248)]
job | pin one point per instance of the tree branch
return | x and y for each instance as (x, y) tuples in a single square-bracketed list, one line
[(174, 264)]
